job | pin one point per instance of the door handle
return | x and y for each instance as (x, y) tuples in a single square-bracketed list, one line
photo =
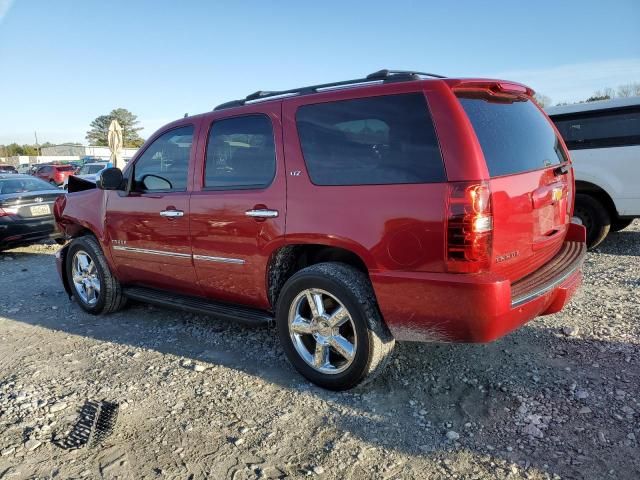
[(172, 213), (261, 213)]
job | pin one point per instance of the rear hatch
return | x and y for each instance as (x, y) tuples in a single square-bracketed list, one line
[(63, 172), (530, 177)]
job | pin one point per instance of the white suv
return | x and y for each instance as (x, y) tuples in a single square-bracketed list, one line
[(604, 140)]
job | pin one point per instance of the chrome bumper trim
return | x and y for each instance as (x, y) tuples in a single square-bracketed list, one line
[(516, 302)]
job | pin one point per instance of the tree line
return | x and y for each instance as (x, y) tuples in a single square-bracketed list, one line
[(626, 90)]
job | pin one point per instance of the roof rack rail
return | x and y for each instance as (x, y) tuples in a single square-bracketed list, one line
[(386, 74), (379, 76)]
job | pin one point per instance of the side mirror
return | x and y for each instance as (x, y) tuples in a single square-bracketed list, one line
[(110, 179)]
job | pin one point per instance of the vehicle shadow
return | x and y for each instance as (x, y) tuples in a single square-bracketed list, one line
[(625, 242)]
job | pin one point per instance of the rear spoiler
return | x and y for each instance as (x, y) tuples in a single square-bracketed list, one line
[(492, 87)]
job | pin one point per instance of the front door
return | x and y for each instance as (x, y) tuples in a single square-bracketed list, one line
[(238, 205), (149, 227)]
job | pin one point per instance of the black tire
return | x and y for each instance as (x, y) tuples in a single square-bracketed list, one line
[(353, 289), (594, 217), (620, 224), (110, 299)]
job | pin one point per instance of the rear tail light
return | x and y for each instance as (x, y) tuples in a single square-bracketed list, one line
[(469, 227), (8, 211)]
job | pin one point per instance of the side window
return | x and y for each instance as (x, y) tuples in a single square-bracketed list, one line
[(164, 165), (240, 153), (377, 140), (600, 129)]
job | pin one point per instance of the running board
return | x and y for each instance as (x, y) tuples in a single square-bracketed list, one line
[(248, 316)]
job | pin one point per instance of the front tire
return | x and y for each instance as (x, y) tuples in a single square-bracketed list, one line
[(594, 217), (330, 327), (93, 285)]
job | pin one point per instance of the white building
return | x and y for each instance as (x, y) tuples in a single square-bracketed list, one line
[(81, 151)]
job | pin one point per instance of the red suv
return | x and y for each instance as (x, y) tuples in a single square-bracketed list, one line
[(400, 206), (54, 174)]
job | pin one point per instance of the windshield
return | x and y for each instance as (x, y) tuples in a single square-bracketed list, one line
[(65, 168), (20, 185), (514, 135)]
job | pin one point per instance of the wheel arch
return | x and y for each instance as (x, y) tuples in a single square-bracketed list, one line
[(599, 193), (288, 259)]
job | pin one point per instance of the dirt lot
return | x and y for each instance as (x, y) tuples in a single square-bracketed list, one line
[(202, 398)]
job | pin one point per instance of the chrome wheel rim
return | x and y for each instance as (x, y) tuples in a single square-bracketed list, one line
[(322, 331), (85, 277)]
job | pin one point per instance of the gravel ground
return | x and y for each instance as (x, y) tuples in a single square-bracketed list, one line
[(200, 398)]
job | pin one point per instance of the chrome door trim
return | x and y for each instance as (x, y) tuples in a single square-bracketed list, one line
[(262, 213), (207, 258), (151, 252)]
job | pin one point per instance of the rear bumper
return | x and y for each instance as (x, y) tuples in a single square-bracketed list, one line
[(20, 232), (475, 308)]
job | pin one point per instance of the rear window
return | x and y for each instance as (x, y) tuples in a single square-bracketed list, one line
[(370, 141), (91, 169), (600, 129), (514, 135), (23, 184)]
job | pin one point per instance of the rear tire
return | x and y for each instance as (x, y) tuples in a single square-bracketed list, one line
[(618, 225), (92, 284), (334, 350), (594, 217)]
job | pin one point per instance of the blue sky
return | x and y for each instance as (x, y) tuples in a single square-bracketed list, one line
[(64, 62)]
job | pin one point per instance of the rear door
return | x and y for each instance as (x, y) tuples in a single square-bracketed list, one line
[(238, 206), (149, 227), (530, 178)]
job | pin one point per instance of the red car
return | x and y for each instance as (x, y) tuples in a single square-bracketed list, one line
[(400, 206), (54, 174)]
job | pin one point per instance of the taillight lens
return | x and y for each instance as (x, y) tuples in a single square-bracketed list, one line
[(469, 227), (8, 211)]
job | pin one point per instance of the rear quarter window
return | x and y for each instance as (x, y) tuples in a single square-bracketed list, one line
[(514, 135), (370, 141)]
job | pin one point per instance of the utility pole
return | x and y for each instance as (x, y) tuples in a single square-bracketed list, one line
[(35, 134)]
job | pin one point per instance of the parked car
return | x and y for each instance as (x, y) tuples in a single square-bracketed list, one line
[(400, 206), (604, 140), (26, 210), (88, 171), (24, 169), (54, 174), (8, 169)]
